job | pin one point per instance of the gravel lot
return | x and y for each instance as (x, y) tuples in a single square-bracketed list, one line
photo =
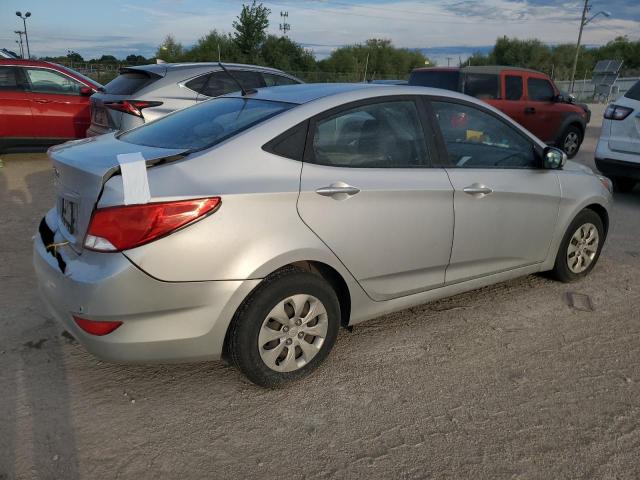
[(504, 382)]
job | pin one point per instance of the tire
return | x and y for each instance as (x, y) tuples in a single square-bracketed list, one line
[(571, 140), (271, 340), (580, 230), (622, 184)]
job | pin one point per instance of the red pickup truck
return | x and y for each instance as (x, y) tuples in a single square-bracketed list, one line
[(529, 97)]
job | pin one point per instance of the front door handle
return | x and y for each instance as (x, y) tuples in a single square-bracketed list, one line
[(338, 191), (529, 110), (477, 189), (41, 100)]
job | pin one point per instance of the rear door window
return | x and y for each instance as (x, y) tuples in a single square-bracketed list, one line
[(540, 90), (482, 85), (128, 83), (377, 135), (10, 79), (272, 80), (513, 87), (205, 124), (221, 83)]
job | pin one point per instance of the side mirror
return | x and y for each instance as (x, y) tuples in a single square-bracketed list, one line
[(554, 158), (86, 91)]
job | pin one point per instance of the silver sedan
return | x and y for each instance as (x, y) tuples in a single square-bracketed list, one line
[(254, 226)]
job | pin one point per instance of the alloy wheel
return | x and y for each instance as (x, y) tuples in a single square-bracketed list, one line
[(571, 143), (293, 333), (582, 248)]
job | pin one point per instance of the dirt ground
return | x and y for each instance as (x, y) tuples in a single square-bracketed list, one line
[(504, 382)]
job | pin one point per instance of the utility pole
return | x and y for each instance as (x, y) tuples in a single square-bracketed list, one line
[(19, 33), (585, 9), (26, 36), (284, 26), (583, 21), (449, 61)]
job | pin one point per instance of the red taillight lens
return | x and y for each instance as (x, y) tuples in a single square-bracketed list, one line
[(133, 107), (617, 112), (120, 228), (97, 328)]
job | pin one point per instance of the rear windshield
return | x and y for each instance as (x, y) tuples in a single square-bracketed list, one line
[(436, 79), (204, 124), (128, 83), (634, 92)]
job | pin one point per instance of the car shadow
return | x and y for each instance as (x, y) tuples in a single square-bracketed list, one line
[(35, 403)]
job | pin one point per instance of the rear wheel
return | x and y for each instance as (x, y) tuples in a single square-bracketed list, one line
[(285, 328), (622, 184), (571, 140), (580, 247)]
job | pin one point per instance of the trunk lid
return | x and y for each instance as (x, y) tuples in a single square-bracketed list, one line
[(80, 170)]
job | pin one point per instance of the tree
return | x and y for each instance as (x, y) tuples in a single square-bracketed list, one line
[(74, 56), (378, 56), (285, 54), (250, 29), (170, 50), (208, 47), (136, 59)]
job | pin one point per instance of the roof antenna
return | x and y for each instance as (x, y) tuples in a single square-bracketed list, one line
[(242, 89)]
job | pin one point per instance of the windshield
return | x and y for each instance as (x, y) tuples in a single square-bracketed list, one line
[(84, 77), (204, 124)]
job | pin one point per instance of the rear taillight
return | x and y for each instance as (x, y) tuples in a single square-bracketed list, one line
[(94, 327), (617, 112), (114, 229), (133, 107)]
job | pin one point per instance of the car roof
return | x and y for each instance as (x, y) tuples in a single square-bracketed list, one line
[(24, 62), (163, 69), (308, 92), (488, 69)]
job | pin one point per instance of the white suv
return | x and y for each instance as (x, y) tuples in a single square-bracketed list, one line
[(618, 151)]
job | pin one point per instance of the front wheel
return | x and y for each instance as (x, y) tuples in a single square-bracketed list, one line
[(580, 247), (571, 140), (285, 328)]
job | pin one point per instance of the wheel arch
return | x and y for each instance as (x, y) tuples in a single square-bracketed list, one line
[(602, 213)]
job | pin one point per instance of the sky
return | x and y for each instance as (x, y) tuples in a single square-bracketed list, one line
[(443, 27)]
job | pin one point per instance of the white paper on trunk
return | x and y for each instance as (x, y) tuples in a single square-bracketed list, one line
[(134, 178)]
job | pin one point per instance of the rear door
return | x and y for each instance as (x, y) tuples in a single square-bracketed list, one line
[(506, 206), (541, 116), (369, 192), (511, 100), (15, 106), (59, 111)]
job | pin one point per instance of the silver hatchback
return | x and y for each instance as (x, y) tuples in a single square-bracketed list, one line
[(147, 92), (254, 226)]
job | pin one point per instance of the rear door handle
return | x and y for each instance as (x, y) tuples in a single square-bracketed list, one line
[(529, 110), (477, 189), (338, 191), (41, 100)]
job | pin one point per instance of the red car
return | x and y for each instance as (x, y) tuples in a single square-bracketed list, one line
[(42, 103), (529, 97)]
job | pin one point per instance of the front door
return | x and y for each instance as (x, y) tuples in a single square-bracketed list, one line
[(367, 190), (506, 205), (59, 111)]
